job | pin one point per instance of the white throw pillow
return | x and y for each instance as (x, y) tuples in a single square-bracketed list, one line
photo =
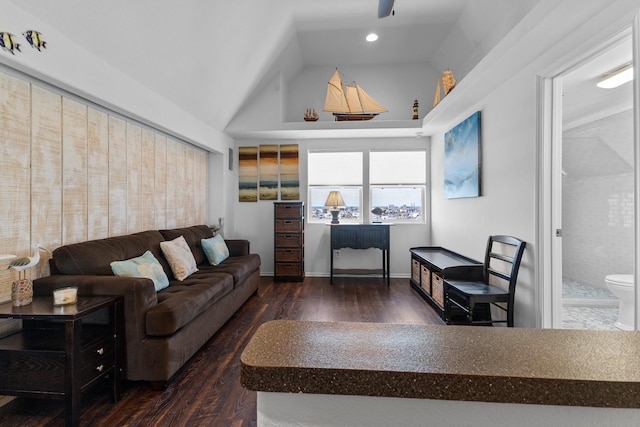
[(180, 257)]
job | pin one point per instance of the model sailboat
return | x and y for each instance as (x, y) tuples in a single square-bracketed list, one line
[(350, 102)]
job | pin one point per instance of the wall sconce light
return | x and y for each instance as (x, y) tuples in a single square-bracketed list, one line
[(335, 201), (616, 78)]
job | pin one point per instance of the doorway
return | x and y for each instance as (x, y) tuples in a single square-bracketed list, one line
[(591, 214)]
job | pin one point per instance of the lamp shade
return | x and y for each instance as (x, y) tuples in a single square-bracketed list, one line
[(334, 199)]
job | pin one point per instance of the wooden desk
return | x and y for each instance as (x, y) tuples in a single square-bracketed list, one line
[(362, 236)]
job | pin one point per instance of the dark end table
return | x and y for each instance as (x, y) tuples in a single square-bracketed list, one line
[(62, 350)]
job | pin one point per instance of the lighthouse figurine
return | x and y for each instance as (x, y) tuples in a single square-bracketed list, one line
[(415, 110)]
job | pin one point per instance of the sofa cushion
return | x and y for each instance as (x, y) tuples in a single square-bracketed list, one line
[(183, 301), (215, 249), (240, 267), (180, 258), (145, 265), (95, 256), (193, 235)]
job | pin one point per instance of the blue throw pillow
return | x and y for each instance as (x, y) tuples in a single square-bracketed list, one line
[(215, 249), (145, 265)]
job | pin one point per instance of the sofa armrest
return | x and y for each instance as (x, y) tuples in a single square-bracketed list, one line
[(89, 285), (238, 247)]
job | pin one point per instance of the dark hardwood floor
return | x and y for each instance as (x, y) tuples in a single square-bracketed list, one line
[(207, 390)]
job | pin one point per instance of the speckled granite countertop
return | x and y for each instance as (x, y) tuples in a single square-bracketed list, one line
[(508, 365)]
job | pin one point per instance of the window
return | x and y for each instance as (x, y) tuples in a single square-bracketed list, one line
[(394, 182), (397, 184), (335, 171)]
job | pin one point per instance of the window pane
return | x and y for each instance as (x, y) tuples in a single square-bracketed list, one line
[(338, 168), (398, 167), (398, 203), (320, 213)]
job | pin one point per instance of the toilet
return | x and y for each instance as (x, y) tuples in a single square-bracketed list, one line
[(622, 286)]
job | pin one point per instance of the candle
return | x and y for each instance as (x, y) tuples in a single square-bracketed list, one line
[(65, 296)]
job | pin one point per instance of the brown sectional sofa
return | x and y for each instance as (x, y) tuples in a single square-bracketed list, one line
[(162, 329)]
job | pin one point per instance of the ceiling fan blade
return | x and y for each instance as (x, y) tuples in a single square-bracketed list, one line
[(384, 8)]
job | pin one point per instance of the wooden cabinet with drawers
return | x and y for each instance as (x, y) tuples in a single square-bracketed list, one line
[(288, 241)]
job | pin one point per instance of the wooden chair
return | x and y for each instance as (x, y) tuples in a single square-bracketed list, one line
[(468, 293)]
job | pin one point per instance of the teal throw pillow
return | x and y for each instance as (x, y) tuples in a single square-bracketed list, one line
[(145, 265), (215, 249)]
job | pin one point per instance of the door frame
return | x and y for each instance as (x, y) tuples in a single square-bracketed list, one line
[(549, 179)]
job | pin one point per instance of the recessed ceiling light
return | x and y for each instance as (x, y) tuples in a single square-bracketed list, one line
[(616, 78), (371, 37)]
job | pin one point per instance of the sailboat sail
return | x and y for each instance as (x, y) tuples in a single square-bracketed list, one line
[(360, 102), (335, 101), (350, 99)]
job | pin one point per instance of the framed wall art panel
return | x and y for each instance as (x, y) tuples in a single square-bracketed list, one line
[(248, 174), (268, 172), (289, 172), (462, 159)]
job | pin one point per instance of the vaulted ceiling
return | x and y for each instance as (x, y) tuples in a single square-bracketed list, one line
[(208, 56)]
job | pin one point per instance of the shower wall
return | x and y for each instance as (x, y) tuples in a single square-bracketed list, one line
[(597, 234), (597, 200)]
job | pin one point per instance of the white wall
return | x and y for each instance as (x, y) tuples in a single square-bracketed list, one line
[(315, 410), (507, 202), (597, 199), (504, 87), (284, 99), (254, 221), (70, 67), (395, 87)]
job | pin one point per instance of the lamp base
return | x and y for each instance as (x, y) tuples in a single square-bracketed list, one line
[(334, 216)]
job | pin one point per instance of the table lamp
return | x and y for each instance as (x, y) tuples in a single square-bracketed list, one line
[(335, 201)]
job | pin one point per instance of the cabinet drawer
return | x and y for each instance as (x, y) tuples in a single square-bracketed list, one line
[(286, 255), (288, 240), (288, 269), (415, 270), (425, 279), (288, 225), (437, 289), (94, 370), (98, 352), (289, 211)]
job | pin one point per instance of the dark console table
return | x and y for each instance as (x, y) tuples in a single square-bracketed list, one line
[(429, 267), (62, 350), (362, 236)]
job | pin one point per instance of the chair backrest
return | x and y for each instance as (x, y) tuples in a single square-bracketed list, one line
[(509, 255)]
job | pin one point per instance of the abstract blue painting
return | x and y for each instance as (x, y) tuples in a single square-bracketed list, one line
[(462, 159)]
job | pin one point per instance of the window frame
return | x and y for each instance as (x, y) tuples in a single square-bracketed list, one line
[(367, 189)]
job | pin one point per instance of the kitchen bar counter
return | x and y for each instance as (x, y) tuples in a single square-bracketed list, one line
[(459, 363)]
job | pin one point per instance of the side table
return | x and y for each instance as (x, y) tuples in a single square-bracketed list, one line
[(62, 350), (362, 236)]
